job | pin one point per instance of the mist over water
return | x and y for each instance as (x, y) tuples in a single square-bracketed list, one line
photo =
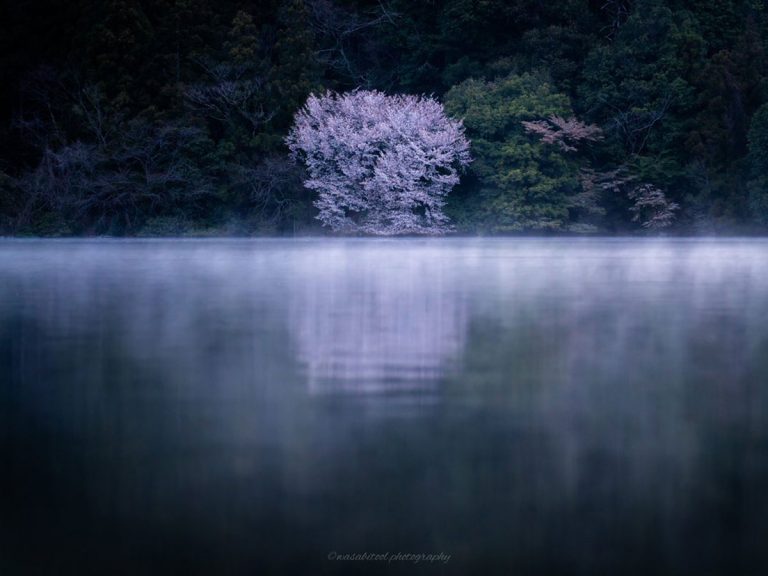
[(525, 406)]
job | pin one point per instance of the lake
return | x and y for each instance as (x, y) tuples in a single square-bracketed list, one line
[(507, 406)]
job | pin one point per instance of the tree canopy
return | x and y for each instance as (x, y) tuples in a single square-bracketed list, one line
[(380, 164), (170, 116)]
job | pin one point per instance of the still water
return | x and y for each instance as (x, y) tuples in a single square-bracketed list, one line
[(259, 407)]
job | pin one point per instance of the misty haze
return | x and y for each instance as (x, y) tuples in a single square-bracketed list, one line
[(215, 405)]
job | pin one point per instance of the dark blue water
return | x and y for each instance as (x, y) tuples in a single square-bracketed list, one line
[(266, 407)]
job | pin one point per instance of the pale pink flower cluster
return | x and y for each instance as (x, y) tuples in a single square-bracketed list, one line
[(564, 132), (380, 164)]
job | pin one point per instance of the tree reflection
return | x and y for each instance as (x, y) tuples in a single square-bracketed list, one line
[(380, 324)]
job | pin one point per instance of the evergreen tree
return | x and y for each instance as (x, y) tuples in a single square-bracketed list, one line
[(524, 184)]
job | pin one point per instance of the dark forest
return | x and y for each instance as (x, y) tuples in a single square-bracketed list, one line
[(169, 117)]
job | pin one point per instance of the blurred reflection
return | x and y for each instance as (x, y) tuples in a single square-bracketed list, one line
[(527, 406), (377, 321)]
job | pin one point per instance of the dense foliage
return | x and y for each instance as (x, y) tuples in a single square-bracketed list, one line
[(380, 164), (170, 116)]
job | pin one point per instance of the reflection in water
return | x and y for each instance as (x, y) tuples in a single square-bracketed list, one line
[(376, 321), (540, 406)]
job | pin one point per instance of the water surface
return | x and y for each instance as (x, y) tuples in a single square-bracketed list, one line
[(524, 406)]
